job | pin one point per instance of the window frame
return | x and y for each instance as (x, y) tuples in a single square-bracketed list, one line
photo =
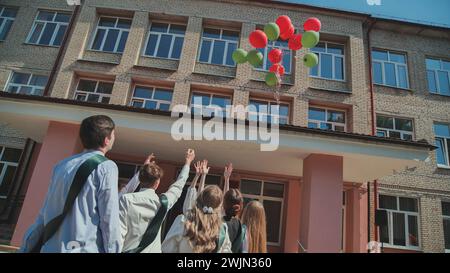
[(402, 132), (326, 116), (266, 56), (396, 65), (55, 31), (33, 87), (119, 36), (153, 87), (210, 94), (333, 63), (270, 102), (446, 146), (5, 19), (174, 36), (390, 212), (445, 218), (87, 93), (261, 198), (227, 42), (436, 75), (8, 163)]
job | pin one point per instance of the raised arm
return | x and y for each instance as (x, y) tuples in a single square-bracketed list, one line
[(191, 194), (176, 188), (204, 170), (227, 174)]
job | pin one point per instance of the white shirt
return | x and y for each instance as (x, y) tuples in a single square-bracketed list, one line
[(176, 242), (139, 208)]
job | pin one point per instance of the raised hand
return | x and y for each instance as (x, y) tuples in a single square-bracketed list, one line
[(205, 168), (150, 159), (228, 170), (198, 168), (190, 155)]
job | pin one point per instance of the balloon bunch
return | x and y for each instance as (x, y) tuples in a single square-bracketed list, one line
[(282, 29)]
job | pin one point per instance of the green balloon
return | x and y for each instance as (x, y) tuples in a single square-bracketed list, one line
[(272, 31), (239, 56), (271, 79), (255, 58), (310, 39), (311, 60)]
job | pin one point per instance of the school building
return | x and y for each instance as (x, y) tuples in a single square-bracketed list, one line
[(367, 129)]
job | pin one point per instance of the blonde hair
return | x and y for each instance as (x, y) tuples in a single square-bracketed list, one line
[(202, 228), (254, 217)]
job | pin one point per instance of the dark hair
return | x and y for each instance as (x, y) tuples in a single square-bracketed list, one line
[(94, 130), (149, 174), (232, 203)]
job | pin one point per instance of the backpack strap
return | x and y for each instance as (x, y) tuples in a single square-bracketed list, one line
[(153, 227), (79, 180)]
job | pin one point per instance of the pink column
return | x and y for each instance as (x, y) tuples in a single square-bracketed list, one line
[(292, 218), (321, 210), (358, 208), (60, 142)]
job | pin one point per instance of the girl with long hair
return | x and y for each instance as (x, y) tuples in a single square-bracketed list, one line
[(254, 219)]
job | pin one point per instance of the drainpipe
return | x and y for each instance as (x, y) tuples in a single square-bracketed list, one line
[(372, 113), (62, 48)]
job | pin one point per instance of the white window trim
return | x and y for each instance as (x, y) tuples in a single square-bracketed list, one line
[(5, 19), (445, 146), (436, 77), (55, 31), (261, 198), (19, 85), (333, 124), (333, 64), (7, 163), (396, 65), (174, 36), (227, 42), (144, 100), (119, 36), (210, 95), (266, 57), (87, 93), (270, 103), (405, 213), (402, 132)]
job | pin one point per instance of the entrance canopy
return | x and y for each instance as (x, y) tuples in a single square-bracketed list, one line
[(140, 131)]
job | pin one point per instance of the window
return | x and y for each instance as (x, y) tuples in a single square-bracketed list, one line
[(111, 34), (126, 172), (446, 219), (442, 133), (165, 40), (151, 98), (331, 62), (266, 111), (394, 127), (287, 55), (93, 91), (7, 16), (9, 160), (438, 74), (26, 83), (271, 195), (217, 46), (328, 119), (48, 28), (403, 221), (208, 104), (389, 68)]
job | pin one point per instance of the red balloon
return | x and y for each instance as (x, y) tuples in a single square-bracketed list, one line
[(313, 24), (278, 69), (275, 55), (283, 22), (285, 35), (258, 39), (295, 42)]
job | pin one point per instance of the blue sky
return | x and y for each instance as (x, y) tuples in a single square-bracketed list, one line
[(431, 12)]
